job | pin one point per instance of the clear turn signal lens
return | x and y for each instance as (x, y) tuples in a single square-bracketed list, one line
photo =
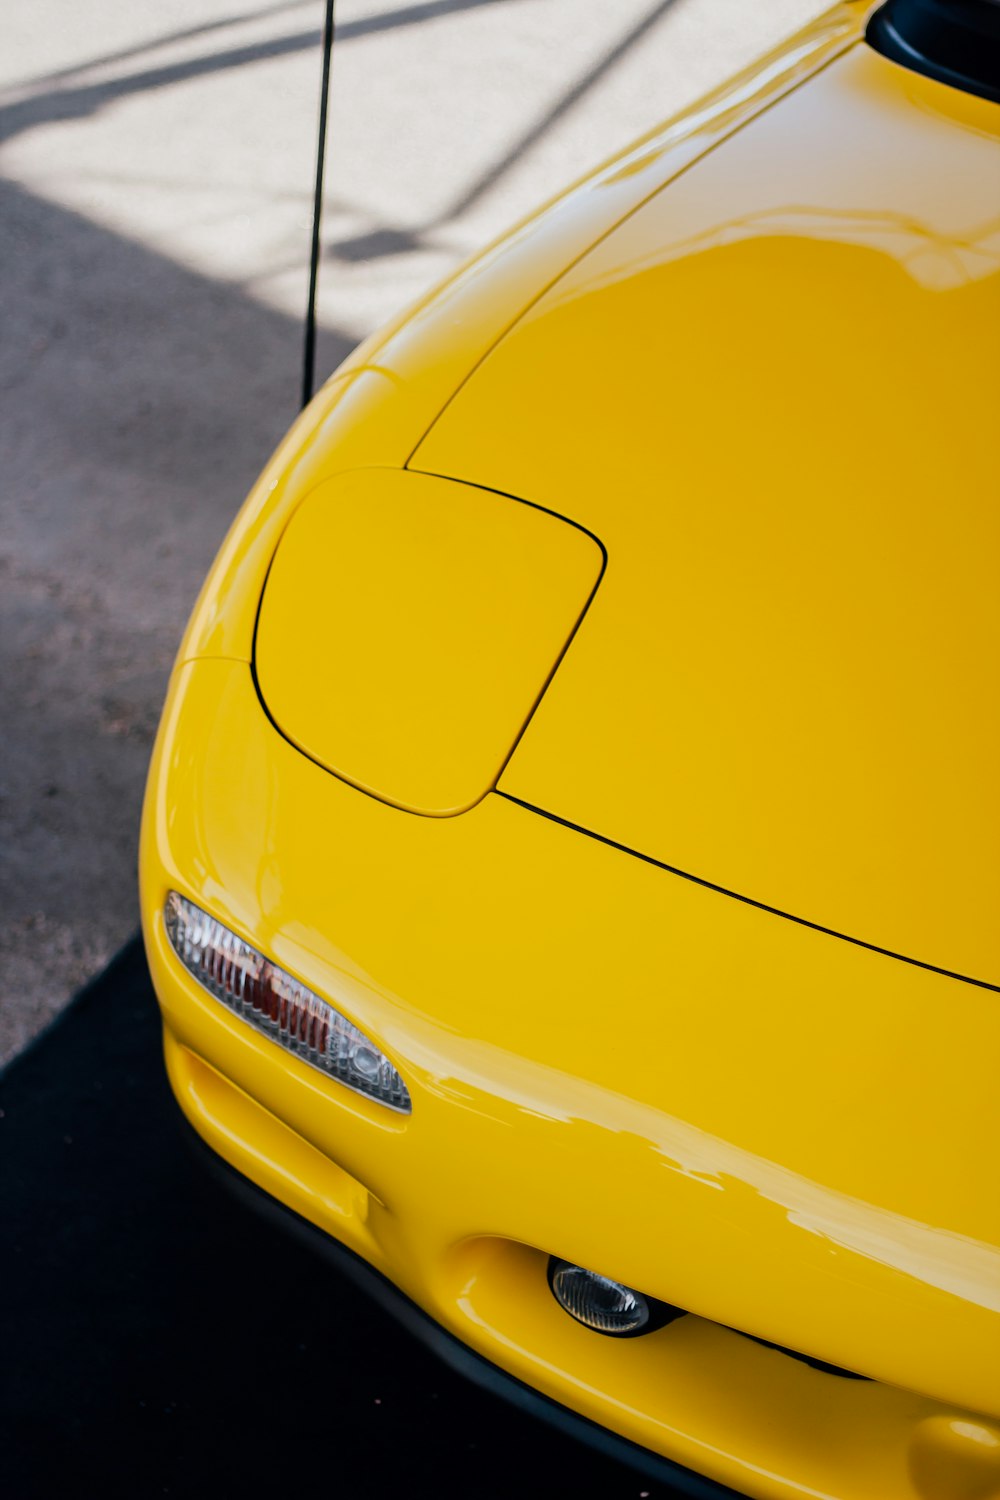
[(278, 1005)]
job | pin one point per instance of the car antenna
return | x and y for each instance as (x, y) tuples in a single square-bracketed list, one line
[(309, 349)]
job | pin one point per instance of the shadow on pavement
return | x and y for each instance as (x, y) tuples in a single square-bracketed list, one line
[(139, 401), (77, 103)]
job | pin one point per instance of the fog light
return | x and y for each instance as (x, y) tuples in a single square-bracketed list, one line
[(597, 1302), (604, 1305), (279, 1005)]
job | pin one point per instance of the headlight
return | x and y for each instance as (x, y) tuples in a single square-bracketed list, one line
[(281, 1007)]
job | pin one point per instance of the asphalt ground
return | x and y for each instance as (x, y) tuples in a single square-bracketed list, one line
[(160, 1338)]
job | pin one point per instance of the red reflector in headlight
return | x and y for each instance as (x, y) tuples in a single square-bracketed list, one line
[(279, 1005)]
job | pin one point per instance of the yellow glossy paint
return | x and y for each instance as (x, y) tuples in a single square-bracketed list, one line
[(777, 1124), (784, 1132), (375, 409), (409, 626), (796, 641)]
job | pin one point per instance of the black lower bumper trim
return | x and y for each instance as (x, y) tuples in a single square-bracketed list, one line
[(452, 1351)]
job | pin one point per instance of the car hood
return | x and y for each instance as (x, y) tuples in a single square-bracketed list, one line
[(771, 393)]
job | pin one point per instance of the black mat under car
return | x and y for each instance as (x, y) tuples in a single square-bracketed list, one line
[(158, 1338)]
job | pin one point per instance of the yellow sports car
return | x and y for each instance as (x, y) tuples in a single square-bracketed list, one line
[(570, 863)]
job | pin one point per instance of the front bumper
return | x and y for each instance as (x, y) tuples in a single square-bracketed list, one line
[(547, 999), (456, 1355)]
